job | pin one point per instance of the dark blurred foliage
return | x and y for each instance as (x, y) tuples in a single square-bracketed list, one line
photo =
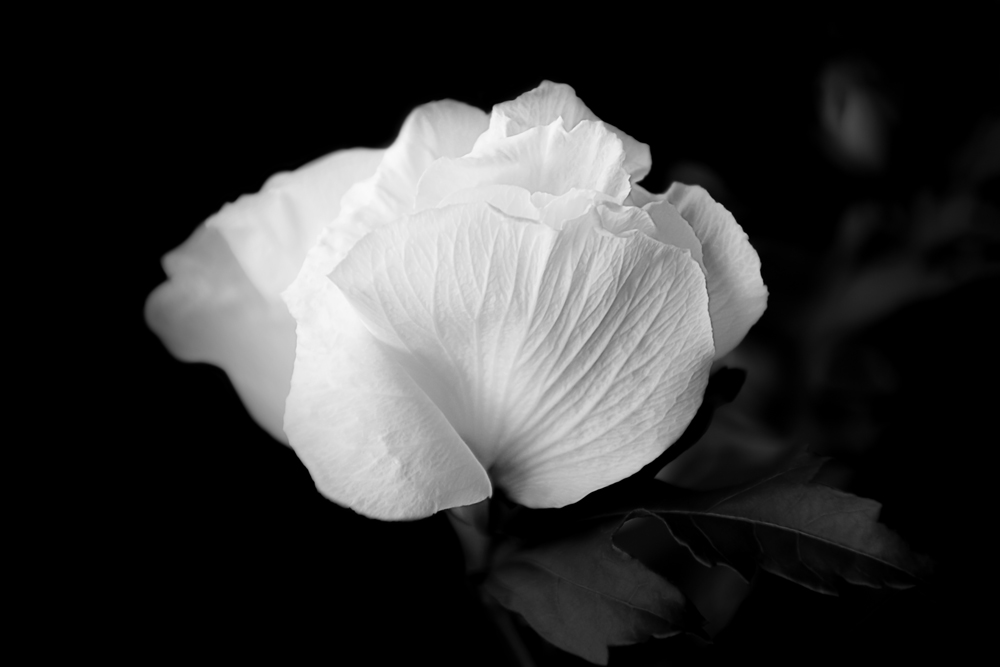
[(862, 162)]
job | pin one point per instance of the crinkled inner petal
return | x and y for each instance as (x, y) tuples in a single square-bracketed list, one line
[(621, 219), (513, 200), (557, 212), (542, 159), (546, 103), (737, 296), (436, 130), (565, 360), (370, 436), (270, 231), (210, 311)]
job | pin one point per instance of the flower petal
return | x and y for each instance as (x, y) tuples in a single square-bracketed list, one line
[(543, 159), (220, 303), (392, 463), (370, 437), (737, 296), (557, 212), (210, 311), (565, 360), (436, 130), (670, 227), (513, 200), (270, 232), (548, 102)]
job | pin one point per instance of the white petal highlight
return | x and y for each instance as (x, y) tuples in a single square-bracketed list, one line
[(271, 231), (545, 104), (543, 159), (210, 311), (565, 360), (737, 296)]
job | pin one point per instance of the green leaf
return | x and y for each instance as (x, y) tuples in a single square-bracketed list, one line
[(583, 594), (808, 533)]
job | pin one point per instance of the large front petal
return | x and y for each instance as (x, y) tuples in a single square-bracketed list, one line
[(220, 303), (565, 360)]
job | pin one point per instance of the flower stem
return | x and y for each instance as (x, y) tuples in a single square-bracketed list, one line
[(505, 625), (470, 524)]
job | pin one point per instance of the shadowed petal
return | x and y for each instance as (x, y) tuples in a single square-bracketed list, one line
[(219, 304), (737, 296), (210, 311), (271, 231), (565, 360)]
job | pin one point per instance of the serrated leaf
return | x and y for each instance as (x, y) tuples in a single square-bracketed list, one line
[(583, 594), (808, 533)]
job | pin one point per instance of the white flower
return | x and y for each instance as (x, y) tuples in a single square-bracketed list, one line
[(493, 302)]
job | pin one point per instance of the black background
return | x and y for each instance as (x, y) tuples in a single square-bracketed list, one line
[(213, 540)]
